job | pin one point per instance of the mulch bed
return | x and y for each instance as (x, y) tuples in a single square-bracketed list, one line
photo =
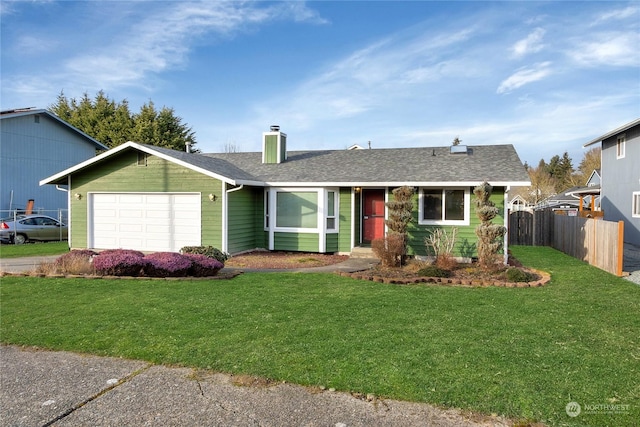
[(283, 260)]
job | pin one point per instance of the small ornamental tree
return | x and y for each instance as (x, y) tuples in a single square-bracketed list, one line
[(489, 235), (400, 215)]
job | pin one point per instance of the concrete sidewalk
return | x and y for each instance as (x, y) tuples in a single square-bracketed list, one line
[(43, 388)]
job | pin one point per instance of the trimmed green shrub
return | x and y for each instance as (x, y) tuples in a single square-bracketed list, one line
[(517, 275), (433, 271), (208, 251)]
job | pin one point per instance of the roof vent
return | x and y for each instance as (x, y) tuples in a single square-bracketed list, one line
[(275, 128), (459, 149)]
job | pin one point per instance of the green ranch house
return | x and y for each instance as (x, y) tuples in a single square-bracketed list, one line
[(149, 198)]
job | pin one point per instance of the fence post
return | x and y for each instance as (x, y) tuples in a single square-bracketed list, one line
[(620, 248)]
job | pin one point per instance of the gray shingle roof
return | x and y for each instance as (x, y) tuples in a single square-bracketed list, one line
[(497, 164), (494, 163)]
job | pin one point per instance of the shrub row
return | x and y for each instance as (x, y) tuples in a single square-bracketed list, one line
[(125, 262)]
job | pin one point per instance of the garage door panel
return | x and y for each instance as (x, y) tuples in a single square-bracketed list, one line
[(131, 228), (131, 198), (186, 216), (158, 229), (159, 214), (145, 221), (105, 227), (105, 213), (129, 213)]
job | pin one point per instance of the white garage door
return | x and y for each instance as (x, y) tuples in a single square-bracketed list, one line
[(144, 221)]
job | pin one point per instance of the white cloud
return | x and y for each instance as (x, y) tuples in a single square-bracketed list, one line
[(618, 14), (525, 76), (162, 41), (612, 49), (531, 44), (396, 69)]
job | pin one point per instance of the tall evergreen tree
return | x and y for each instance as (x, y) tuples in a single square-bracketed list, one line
[(113, 123)]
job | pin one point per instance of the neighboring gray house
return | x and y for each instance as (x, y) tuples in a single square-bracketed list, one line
[(35, 143), (588, 195), (620, 191)]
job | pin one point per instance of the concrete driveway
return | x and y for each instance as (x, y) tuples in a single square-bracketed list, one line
[(53, 388), (20, 265)]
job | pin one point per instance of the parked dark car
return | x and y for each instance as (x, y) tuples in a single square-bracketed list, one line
[(32, 227)]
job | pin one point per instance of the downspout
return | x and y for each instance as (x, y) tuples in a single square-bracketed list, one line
[(506, 225), (225, 216), (66, 190)]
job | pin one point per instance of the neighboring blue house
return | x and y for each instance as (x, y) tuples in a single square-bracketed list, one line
[(35, 143), (620, 190)]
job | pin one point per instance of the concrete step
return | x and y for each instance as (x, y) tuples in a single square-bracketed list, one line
[(361, 252)]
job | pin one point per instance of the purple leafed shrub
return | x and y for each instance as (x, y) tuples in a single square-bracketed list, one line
[(167, 264), (119, 252), (203, 266), (119, 262)]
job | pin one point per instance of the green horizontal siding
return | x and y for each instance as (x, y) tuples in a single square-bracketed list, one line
[(357, 225), (305, 242), (121, 174), (243, 205), (466, 239), (271, 149), (332, 242), (344, 236)]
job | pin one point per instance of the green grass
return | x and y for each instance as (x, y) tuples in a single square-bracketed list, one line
[(33, 249), (523, 353)]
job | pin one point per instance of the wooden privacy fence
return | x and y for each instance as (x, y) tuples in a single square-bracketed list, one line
[(596, 241), (599, 242), (531, 229)]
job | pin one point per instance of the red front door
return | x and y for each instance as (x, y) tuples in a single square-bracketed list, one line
[(373, 215)]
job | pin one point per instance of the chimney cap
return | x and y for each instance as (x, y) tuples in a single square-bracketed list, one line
[(275, 128)]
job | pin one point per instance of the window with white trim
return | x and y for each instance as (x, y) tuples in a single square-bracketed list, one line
[(266, 209), (301, 209), (620, 146), (332, 207), (444, 206), (635, 209), (297, 209)]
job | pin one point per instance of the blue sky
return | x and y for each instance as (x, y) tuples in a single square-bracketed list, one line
[(544, 76)]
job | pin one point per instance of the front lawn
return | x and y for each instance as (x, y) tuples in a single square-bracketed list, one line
[(524, 353), (33, 249)]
